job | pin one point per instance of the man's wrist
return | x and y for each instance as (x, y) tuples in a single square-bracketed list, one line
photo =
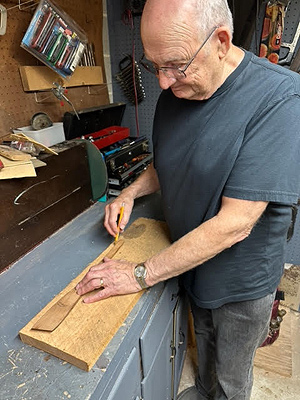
[(140, 274)]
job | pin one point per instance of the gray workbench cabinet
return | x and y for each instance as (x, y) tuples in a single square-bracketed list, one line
[(151, 370)]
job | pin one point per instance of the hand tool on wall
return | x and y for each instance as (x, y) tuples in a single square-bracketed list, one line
[(58, 92), (59, 311), (295, 64), (130, 79), (291, 46), (3, 20), (272, 30), (40, 120)]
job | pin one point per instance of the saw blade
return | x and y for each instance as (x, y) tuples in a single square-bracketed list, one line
[(40, 121)]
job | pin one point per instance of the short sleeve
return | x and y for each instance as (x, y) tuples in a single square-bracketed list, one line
[(268, 165)]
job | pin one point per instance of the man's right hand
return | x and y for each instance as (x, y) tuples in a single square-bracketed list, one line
[(145, 184), (113, 209)]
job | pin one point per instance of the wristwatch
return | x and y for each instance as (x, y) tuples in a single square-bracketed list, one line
[(140, 273)]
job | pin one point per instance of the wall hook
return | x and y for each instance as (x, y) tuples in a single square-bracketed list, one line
[(3, 20)]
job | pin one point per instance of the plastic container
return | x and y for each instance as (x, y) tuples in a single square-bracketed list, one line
[(47, 136), (55, 39)]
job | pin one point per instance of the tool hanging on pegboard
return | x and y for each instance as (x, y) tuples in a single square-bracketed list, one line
[(3, 19), (292, 53), (40, 120), (130, 79), (59, 92), (272, 31)]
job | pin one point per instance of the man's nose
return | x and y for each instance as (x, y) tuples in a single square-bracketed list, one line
[(164, 81)]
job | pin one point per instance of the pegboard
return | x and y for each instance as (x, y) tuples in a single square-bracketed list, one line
[(17, 106), (122, 39)]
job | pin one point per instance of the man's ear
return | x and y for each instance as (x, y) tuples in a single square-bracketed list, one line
[(224, 41)]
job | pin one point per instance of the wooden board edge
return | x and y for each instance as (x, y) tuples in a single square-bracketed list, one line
[(77, 362), (35, 78), (53, 351)]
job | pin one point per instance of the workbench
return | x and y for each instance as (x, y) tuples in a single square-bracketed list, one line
[(143, 360)]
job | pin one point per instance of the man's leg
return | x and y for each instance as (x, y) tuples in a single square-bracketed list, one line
[(206, 380), (227, 339)]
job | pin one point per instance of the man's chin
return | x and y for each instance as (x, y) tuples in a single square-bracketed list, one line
[(189, 95), (180, 93)]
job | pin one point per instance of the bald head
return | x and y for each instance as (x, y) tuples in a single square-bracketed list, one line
[(191, 17), (162, 16)]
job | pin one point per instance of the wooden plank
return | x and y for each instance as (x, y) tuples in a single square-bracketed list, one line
[(16, 169), (81, 338), (35, 78)]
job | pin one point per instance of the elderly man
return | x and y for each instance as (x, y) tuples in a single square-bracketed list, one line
[(226, 155)]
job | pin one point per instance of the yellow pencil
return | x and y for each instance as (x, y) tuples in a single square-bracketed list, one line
[(119, 222)]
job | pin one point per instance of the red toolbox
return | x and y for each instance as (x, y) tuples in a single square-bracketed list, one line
[(106, 137)]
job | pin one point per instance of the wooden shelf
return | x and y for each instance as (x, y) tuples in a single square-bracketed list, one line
[(37, 78)]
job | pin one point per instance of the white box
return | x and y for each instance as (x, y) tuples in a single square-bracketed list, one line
[(47, 136)]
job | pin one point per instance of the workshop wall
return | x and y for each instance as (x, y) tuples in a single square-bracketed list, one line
[(17, 106)]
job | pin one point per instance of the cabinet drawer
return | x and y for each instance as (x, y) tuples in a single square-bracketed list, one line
[(157, 384), (180, 343), (154, 332), (127, 385)]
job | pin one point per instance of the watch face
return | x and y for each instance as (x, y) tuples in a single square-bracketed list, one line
[(139, 271)]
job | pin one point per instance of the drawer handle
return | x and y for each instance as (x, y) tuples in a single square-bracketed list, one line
[(181, 337)]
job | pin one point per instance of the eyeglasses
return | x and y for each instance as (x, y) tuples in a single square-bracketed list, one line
[(173, 72)]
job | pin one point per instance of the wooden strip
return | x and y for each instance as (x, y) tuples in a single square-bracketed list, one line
[(16, 169), (60, 310), (81, 338), (14, 154), (35, 78)]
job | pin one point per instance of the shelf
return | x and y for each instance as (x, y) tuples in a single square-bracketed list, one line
[(38, 78)]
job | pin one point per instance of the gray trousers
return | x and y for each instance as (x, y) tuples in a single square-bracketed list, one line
[(227, 339)]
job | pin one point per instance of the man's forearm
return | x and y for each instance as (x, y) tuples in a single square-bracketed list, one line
[(232, 225)]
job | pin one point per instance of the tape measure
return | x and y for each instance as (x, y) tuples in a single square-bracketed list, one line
[(40, 121)]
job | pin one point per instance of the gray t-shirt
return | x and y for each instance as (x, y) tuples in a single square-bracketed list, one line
[(244, 143)]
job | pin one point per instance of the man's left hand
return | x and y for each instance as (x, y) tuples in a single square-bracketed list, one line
[(113, 277)]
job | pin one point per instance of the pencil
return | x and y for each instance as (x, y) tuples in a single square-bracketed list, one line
[(119, 222)]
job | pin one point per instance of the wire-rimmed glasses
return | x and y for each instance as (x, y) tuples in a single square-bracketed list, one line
[(173, 71)]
